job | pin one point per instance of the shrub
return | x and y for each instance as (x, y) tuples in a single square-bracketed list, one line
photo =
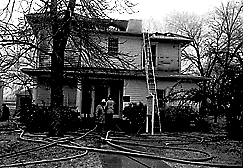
[(135, 114), (38, 118), (181, 119)]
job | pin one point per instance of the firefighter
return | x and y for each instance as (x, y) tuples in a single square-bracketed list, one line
[(109, 113), (100, 116)]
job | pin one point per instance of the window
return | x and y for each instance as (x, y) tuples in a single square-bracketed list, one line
[(69, 96), (112, 45), (126, 98)]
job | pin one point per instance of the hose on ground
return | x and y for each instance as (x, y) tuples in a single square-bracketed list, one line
[(126, 153), (208, 155), (49, 144), (148, 156), (46, 160), (143, 155)]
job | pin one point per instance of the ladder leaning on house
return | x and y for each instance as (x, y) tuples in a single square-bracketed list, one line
[(150, 79)]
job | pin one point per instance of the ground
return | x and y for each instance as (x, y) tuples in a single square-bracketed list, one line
[(223, 150)]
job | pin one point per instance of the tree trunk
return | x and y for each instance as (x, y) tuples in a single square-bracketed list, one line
[(60, 32)]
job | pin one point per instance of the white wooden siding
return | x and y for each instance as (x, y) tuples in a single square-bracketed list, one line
[(133, 47), (130, 46), (168, 53), (136, 89)]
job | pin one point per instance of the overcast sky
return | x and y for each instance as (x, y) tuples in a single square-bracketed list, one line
[(159, 8), (154, 12)]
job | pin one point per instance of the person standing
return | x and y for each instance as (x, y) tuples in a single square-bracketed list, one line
[(100, 116), (109, 113)]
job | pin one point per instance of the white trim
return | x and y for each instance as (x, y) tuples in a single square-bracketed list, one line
[(93, 100), (79, 97), (179, 58)]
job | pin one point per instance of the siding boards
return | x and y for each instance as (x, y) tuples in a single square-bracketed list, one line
[(136, 89), (133, 47), (167, 53)]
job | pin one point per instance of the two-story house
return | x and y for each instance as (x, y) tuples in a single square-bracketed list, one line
[(86, 88)]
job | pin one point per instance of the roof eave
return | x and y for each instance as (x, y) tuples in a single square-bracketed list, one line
[(97, 72)]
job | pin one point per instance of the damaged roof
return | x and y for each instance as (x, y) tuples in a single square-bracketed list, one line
[(131, 27)]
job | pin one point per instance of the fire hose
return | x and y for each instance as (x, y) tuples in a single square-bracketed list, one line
[(112, 142)]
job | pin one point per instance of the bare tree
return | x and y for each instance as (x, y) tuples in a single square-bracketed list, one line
[(194, 27), (194, 56), (58, 30), (216, 52), (226, 29)]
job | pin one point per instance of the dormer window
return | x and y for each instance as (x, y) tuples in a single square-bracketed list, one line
[(112, 45)]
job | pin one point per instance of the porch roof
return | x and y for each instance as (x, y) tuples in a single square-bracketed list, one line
[(113, 73)]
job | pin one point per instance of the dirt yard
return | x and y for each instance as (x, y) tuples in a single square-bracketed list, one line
[(223, 150)]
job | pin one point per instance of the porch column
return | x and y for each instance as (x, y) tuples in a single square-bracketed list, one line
[(34, 91), (79, 97), (119, 104), (93, 101), (1, 91), (109, 91)]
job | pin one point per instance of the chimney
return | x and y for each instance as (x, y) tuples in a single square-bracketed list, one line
[(134, 26)]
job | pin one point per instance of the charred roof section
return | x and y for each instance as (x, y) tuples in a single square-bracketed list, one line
[(131, 27)]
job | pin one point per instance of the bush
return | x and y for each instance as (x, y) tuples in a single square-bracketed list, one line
[(183, 118), (135, 115), (38, 118)]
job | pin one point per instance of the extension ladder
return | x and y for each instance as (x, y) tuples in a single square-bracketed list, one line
[(150, 79)]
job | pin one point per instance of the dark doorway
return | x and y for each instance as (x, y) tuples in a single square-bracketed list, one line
[(101, 92), (115, 93), (153, 50), (86, 99)]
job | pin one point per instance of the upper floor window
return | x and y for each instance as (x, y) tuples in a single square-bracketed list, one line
[(112, 45)]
